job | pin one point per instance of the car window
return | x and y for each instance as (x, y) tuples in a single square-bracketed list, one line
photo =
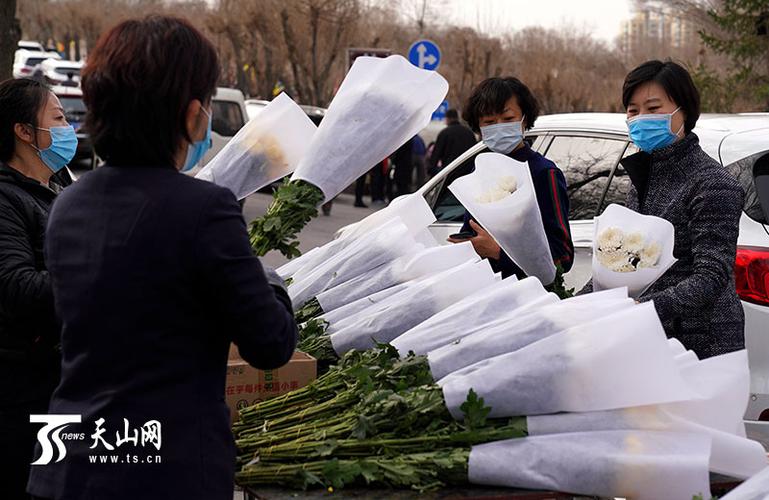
[(746, 171), (586, 163), (227, 118), (34, 61), (619, 184), (446, 206), (67, 71)]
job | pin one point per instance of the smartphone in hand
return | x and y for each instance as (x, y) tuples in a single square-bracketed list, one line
[(464, 235)]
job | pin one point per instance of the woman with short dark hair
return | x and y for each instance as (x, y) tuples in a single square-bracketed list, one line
[(673, 178), (36, 142), (153, 277), (501, 110)]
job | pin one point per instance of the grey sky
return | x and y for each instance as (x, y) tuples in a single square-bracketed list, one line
[(603, 18)]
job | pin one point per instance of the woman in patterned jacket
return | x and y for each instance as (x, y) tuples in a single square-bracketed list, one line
[(673, 178)]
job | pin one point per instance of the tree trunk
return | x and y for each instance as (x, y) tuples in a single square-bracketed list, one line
[(10, 32)]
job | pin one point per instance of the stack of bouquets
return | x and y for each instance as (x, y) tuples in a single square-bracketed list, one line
[(265, 150), (630, 249), (500, 196), (585, 395), (380, 105)]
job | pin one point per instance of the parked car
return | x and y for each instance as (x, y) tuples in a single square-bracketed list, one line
[(588, 148), (25, 62), (30, 45), (254, 107), (59, 72), (71, 99)]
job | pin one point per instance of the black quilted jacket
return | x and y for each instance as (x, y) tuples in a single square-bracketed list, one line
[(696, 298)]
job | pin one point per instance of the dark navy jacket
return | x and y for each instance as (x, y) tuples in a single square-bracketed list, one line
[(153, 276), (553, 200)]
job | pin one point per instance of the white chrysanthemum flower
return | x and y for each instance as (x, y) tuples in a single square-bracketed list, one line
[(650, 255), (508, 183), (610, 238), (633, 243)]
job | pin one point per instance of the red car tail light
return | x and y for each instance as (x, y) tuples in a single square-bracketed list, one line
[(751, 272), (26, 70)]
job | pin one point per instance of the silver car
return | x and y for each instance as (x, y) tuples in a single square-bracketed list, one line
[(588, 148)]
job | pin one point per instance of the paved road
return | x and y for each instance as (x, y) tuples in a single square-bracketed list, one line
[(319, 230)]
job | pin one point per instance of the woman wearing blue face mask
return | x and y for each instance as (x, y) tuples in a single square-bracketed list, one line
[(502, 109), (36, 142), (153, 278), (673, 178)]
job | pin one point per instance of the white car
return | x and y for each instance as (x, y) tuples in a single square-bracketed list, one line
[(255, 106), (30, 45), (25, 62), (59, 72), (588, 147)]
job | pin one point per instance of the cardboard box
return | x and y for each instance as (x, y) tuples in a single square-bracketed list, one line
[(246, 385)]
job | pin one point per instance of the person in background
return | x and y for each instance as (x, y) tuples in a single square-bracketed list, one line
[(673, 178), (502, 109), (36, 143), (153, 277), (420, 153), (403, 160), (452, 141)]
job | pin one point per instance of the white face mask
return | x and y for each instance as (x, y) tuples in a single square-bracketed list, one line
[(503, 137)]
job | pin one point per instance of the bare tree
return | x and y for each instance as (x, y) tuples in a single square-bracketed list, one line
[(9, 37)]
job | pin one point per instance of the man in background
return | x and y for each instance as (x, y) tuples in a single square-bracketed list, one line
[(452, 141)]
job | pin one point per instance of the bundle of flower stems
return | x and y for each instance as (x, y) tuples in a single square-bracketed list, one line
[(372, 419)]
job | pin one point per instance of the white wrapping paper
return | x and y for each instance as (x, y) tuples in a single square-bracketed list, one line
[(655, 229), (638, 465), (756, 488), (620, 361), (482, 307), (267, 148), (389, 242), (289, 268), (514, 222), (519, 332), (353, 308), (379, 106), (409, 267), (412, 209), (415, 305)]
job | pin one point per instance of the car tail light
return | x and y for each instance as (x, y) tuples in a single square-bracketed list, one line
[(26, 70), (751, 271)]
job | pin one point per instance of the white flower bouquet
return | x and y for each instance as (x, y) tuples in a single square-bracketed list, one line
[(380, 105), (500, 196), (266, 149), (426, 262), (413, 306), (630, 249)]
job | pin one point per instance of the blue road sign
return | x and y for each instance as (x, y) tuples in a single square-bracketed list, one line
[(440, 113), (425, 54)]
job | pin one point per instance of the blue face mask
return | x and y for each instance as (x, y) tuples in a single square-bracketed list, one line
[(652, 131), (198, 149), (62, 149), (502, 137)]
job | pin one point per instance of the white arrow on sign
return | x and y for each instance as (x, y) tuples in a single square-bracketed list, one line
[(423, 59)]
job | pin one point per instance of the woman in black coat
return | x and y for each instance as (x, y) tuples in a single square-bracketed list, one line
[(36, 142), (153, 277), (673, 178)]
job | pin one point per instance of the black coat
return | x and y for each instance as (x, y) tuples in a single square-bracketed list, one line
[(29, 331), (452, 141), (154, 276)]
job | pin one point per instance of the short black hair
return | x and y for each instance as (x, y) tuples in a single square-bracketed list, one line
[(676, 81), (140, 77), (20, 102), (452, 114), (490, 96)]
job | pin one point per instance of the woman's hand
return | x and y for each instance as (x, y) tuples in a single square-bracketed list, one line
[(483, 243)]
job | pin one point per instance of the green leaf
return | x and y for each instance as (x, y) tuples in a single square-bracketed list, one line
[(475, 411)]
